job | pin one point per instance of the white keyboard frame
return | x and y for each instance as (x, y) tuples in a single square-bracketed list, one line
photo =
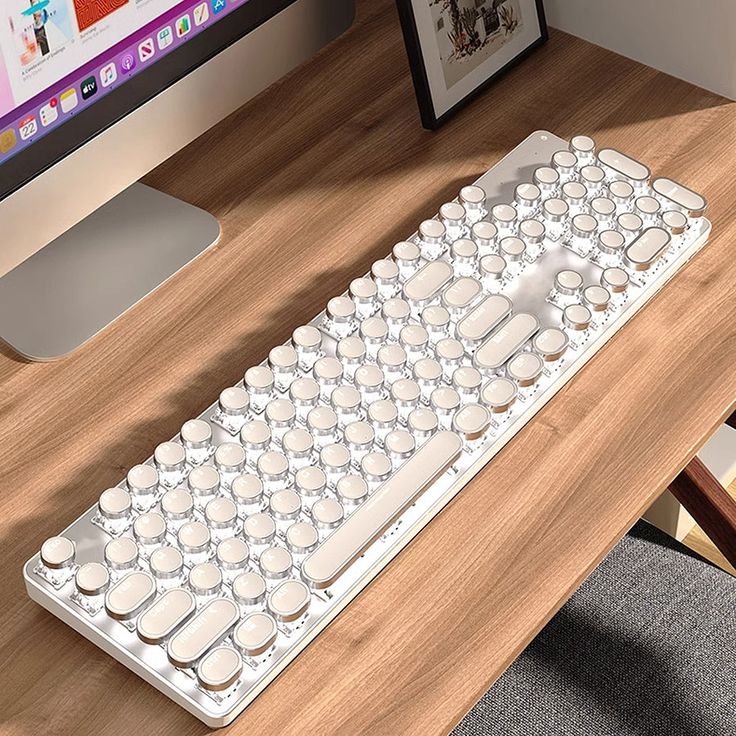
[(150, 662)]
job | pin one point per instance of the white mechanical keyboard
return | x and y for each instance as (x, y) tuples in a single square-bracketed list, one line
[(213, 564)]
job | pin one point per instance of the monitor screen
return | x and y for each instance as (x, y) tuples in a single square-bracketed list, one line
[(71, 68)]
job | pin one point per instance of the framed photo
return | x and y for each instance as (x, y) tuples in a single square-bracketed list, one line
[(457, 48)]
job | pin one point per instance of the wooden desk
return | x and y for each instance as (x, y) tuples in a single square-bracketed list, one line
[(312, 183)]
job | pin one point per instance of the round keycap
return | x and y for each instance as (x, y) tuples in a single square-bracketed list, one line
[(255, 634), (555, 210), (452, 213), (405, 392), (258, 379), (341, 309), (307, 337), (285, 505), (615, 280), (149, 528), (399, 444), (584, 226), (114, 503), (272, 466), (376, 467), (301, 537), (289, 600), (596, 298), (304, 392), (283, 358), (327, 513), (592, 175), (527, 195), (373, 330), (550, 343), (92, 578), (574, 193), (431, 231), (499, 394), (582, 145), (142, 479), (233, 553), (395, 311), (471, 421), (568, 282), (259, 529), (484, 233), (234, 401), (205, 579), (422, 422), (532, 231), (196, 433), (564, 161), (525, 368), (603, 207), (363, 290), (385, 272), (229, 457), (629, 223), (369, 378), (256, 435), (383, 413), (351, 490), (249, 588), (247, 489), (275, 563), (472, 196), (194, 537), (546, 178), (427, 370), (611, 242), (359, 436), (221, 513), (512, 248), (647, 206), (391, 357), (346, 399), (297, 443), (280, 413), (444, 400), (351, 349), (621, 191), (492, 267), (219, 669), (406, 254), (449, 350), (121, 553), (466, 379), (322, 420), (204, 480), (577, 317), (169, 456), (310, 481), (674, 221), (166, 563)]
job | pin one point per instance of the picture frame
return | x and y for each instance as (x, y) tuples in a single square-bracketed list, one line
[(457, 48)]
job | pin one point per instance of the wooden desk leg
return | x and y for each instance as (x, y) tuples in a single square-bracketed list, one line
[(699, 491)]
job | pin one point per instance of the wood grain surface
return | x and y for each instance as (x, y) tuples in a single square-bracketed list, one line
[(312, 182)]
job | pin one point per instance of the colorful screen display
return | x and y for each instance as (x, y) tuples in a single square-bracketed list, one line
[(58, 57)]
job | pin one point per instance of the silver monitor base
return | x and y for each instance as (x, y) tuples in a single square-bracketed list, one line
[(82, 281)]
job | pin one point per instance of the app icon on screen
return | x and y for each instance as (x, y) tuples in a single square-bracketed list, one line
[(88, 87), (218, 6), (127, 63), (165, 37), (7, 140), (201, 14), (69, 100), (183, 26), (49, 112), (145, 49), (27, 127), (108, 74)]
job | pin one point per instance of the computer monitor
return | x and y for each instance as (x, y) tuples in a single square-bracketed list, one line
[(94, 94)]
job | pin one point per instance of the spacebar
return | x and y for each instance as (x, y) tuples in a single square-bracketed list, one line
[(323, 566)]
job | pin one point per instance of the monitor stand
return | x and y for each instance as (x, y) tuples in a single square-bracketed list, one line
[(79, 283)]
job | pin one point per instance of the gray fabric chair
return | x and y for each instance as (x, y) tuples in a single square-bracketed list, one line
[(646, 647)]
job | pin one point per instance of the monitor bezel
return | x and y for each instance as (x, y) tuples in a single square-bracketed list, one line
[(20, 169)]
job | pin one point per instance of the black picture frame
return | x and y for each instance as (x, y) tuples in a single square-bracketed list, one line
[(413, 42)]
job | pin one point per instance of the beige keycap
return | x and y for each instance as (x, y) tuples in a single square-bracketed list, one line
[(207, 628), (577, 317), (285, 505), (57, 553), (422, 422), (234, 401), (194, 537), (472, 197), (289, 600), (405, 392), (376, 467), (280, 413), (341, 309), (130, 595), (532, 231), (297, 443), (525, 368), (166, 563), (149, 528), (302, 537), (369, 378), (603, 207), (335, 458), (259, 529), (647, 206), (165, 615), (512, 249), (395, 311), (247, 489), (478, 323), (351, 349), (583, 226), (169, 456), (232, 554), (629, 223), (611, 242), (203, 481), (391, 357), (413, 338), (275, 563), (431, 231), (444, 400), (121, 553), (373, 331), (327, 513), (435, 319), (229, 457), (256, 435), (345, 399), (555, 210), (304, 392), (568, 282), (114, 503), (221, 513), (484, 234), (621, 191), (551, 343), (306, 337), (574, 193), (249, 588), (323, 566), (527, 195), (196, 433), (596, 298), (427, 282), (283, 358), (310, 481), (499, 394), (399, 444), (546, 178), (351, 490), (219, 669), (505, 341), (359, 436), (624, 165), (406, 254), (142, 479), (272, 466), (492, 267), (92, 578), (647, 249), (471, 421), (592, 176), (322, 420), (466, 380), (258, 379), (255, 634), (383, 414), (689, 200), (452, 214), (461, 293), (674, 221), (177, 504), (615, 280), (205, 579), (582, 146), (564, 161), (363, 290)]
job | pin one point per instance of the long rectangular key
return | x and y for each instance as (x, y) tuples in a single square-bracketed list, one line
[(323, 566)]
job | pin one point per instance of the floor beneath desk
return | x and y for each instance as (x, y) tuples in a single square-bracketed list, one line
[(644, 647)]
